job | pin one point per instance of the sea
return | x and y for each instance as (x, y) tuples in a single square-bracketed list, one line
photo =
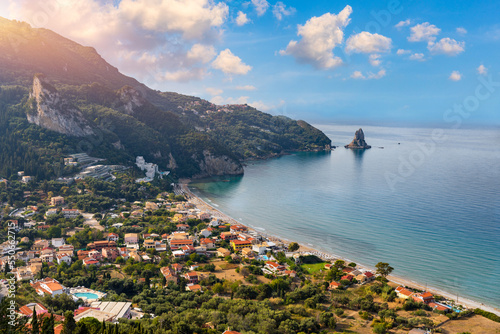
[(425, 200)]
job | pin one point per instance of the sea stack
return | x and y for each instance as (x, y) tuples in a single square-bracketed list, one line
[(359, 141)]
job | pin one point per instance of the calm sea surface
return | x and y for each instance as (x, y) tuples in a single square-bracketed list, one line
[(430, 206)]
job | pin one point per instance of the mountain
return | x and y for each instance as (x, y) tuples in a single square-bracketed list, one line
[(58, 97)]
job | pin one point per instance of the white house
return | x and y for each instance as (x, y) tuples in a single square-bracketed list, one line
[(57, 242), (64, 258), (205, 233), (70, 213), (112, 237)]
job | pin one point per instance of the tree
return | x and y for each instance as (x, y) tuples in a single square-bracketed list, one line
[(218, 288), (48, 325), (69, 324), (384, 269), (293, 246), (35, 328)]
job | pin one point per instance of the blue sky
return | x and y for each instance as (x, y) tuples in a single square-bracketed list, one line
[(401, 62)]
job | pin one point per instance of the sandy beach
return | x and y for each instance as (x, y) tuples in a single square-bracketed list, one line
[(183, 188)]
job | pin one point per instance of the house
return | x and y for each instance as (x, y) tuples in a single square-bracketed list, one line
[(48, 286), (177, 267), (188, 249), (26, 179), (110, 253), (66, 249), (39, 245), (423, 297), (334, 285), (27, 310), (208, 243), (137, 214), (223, 252), (23, 273), (57, 242), (239, 244), (112, 237), (95, 254), (248, 253), (50, 212), (82, 254), (150, 244), (179, 218), (194, 288), (347, 277), (88, 261), (131, 239), (191, 277), (151, 206), (57, 200), (169, 274), (439, 307), (403, 293), (369, 276), (228, 236), (98, 245), (47, 257), (238, 228), (182, 227), (66, 258), (290, 273), (274, 267), (176, 244), (203, 216), (228, 331), (205, 232), (70, 213), (214, 223), (360, 278)]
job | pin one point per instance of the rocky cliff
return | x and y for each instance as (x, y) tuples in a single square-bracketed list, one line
[(359, 141), (211, 165), (50, 111)]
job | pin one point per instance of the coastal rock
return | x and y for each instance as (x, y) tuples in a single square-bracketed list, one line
[(49, 110), (359, 141), (131, 99), (212, 165)]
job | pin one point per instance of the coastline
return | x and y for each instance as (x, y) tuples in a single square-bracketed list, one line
[(202, 204)]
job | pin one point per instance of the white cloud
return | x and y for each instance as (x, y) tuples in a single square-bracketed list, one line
[(366, 42), (402, 24), (417, 56), (401, 52), (202, 53), (185, 75), (214, 91), (192, 18), (259, 105), (261, 6), (455, 76), (320, 35), (242, 19), (482, 70), (423, 32), (446, 46), (247, 87), (228, 63), (280, 10), (148, 39), (375, 60), (219, 100), (359, 76), (461, 30)]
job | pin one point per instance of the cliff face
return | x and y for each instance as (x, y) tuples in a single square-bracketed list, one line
[(50, 111), (212, 165), (359, 141)]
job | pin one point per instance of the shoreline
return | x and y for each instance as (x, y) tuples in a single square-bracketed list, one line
[(200, 203)]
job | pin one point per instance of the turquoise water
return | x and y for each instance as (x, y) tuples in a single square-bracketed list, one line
[(86, 295), (430, 206)]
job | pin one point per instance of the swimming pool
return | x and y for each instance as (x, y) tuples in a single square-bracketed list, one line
[(86, 295)]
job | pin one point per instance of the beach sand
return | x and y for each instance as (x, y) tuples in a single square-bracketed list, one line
[(204, 206)]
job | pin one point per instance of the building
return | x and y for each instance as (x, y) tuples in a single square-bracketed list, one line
[(228, 236), (119, 310), (274, 267), (66, 249), (205, 232), (169, 274), (131, 239), (176, 244), (334, 285), (423, 297), (110, 253), (203, 216), (23, 273), (248, 253), (151, 206), (26, 179), (208, 243), (97, 171), (112, 237), (62, 257), (223, 252), (39, 245), (192, 277), (50, 212), (98, 245), (48, 286), (238, 228), (57, 242), (240, 244), (194, 288), (88, 261), (70, 213), (403, 292), (57, 200)]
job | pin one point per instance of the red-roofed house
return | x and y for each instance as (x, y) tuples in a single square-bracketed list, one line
[(194, 288), (112, 237), (192, 277), (208, 243), (48, 286), (176, 244), (177, 267), (274, 267), (347, 277), (334, 285), (424, 297), (27, 310), (403, 292), (369, 276)]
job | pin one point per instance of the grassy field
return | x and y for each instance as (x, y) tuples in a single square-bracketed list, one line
[(313, 268)]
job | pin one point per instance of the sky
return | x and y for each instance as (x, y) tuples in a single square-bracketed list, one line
[(388, 62)]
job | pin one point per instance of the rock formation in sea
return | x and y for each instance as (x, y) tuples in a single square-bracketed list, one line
[(359, 141)]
